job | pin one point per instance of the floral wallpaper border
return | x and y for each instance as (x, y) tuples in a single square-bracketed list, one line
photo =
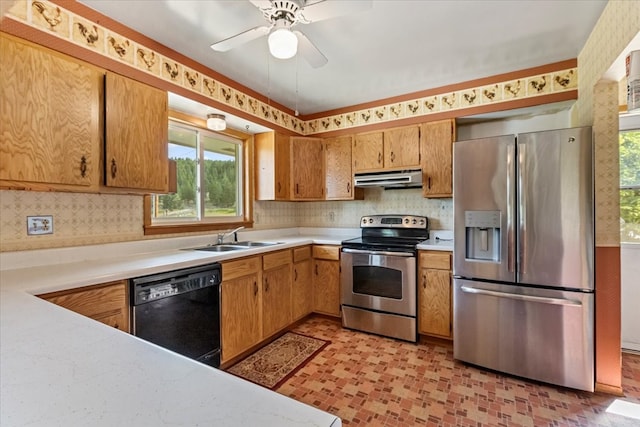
[(50, 17)]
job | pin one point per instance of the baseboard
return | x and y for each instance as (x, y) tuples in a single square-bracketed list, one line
[(609, 389), (632, 346)]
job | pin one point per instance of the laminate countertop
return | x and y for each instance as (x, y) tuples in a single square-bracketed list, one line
[(59, 368)]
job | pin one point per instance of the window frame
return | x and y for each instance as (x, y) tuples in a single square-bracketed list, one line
[(203, 225), (628, 123)]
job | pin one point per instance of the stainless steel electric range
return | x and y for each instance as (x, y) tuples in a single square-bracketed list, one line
[(378, 279)]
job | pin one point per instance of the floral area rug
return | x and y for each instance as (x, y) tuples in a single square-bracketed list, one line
[(273, 364)]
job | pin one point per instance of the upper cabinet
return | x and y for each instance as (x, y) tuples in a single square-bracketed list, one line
[(391, 149), (136, 132), (436, 144), (288, 168), (338, 172), (54, 112), (49, 119), (307, 168)]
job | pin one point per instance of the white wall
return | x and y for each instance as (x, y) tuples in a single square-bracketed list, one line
[(630, 261)]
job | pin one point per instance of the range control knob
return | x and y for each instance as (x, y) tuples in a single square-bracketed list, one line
[(414, 222), (406, 220), (370, 220), (422, 222)]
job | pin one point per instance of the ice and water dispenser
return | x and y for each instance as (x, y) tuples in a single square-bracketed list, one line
[(482, 233)]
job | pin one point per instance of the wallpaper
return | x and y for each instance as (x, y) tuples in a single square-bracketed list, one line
[(597, 105), (62, 23)]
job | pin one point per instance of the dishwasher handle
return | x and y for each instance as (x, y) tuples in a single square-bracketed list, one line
[(519, 297)]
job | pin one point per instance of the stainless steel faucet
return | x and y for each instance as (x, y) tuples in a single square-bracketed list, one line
[(221, 236)]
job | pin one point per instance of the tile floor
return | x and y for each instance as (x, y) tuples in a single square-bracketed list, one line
[(374, 381)]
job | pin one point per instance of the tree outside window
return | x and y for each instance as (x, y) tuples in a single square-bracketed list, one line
[(630, 186)]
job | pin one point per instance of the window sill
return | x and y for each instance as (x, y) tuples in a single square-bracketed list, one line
[(151, 230)]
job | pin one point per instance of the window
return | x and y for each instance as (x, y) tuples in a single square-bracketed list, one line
[(629, 183), (210, 189)]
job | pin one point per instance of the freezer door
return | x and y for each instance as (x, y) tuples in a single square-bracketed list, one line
[(555, 199), (484, 208), (541, 334)]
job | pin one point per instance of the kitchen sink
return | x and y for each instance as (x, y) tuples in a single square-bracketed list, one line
[(227, 247), (220, 248), (254, 244)]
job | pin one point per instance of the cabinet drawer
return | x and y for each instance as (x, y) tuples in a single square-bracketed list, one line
[(240, 268), (300, 254), (276, 259), (435, 259), (326, 252)]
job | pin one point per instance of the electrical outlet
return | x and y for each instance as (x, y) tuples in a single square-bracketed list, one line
[(37, 225)]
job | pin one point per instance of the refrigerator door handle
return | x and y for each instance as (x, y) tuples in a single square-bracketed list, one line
[(511, 151), (528, 298), (522, 207)]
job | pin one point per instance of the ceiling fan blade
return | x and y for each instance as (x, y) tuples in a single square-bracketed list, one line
[(309, 51), (331, 9), (261, 4), (239, 39)]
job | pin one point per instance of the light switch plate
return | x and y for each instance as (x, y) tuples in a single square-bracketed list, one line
[(37, 225)]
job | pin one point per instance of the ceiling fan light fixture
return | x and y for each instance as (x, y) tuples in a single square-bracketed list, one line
[(283, 44), (216, 122)]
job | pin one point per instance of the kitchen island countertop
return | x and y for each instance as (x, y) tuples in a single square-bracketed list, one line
[(61, 368)]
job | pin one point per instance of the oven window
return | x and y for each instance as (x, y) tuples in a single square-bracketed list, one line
[(377, 281)]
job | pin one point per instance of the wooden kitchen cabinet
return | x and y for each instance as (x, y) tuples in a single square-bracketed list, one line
[(136, 135), (50, 119), (338, 170), (436, 145), (272, 160), (241, 305), (434, 294), (276, 292), (307, 168), (391, 149), (302, 286), (326, 279), (288, 168), (107, 303)]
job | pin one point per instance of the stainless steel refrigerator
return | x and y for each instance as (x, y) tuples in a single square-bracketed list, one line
[(524, 255)]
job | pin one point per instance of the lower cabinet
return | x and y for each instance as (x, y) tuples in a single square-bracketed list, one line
[(107, 303), (276, 292), (241, 303), (434, 294), (326, 279), (302, 286)]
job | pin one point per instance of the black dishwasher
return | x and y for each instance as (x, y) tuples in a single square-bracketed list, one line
[(180, 311)]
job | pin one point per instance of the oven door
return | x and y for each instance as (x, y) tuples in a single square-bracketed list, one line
[(381, 281)]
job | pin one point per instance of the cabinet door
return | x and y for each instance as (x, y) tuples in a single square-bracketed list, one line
[(106, 303), (326, 287), (437, 154), (307, 168), (402, 147), (338, 174), (435, 302), (302, 290), (276, 299), (49, 117), (240, 315), (368, 152), (272, 158), (136, 132)]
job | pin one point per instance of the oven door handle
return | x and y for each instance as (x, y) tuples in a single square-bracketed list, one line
[(383, 253)]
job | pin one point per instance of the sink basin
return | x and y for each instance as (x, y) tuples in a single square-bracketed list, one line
[(253, 244), (220, 248)]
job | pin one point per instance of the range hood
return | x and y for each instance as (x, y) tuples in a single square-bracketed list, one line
[(393, 179)]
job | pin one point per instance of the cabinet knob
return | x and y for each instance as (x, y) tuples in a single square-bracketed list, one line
[(83, 166), (114, 169), (316, 269), (429, 183), (266, 285), (255, 289), (379, 157), (279, 187), (348, 187), (295, 274), (393, 156)]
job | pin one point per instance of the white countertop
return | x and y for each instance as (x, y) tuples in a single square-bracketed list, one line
[(439, 240), (61, 368)]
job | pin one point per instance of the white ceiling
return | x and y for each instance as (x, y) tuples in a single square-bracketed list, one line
[(393, 48)]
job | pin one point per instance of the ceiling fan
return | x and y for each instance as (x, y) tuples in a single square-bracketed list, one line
[(282, 16)]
